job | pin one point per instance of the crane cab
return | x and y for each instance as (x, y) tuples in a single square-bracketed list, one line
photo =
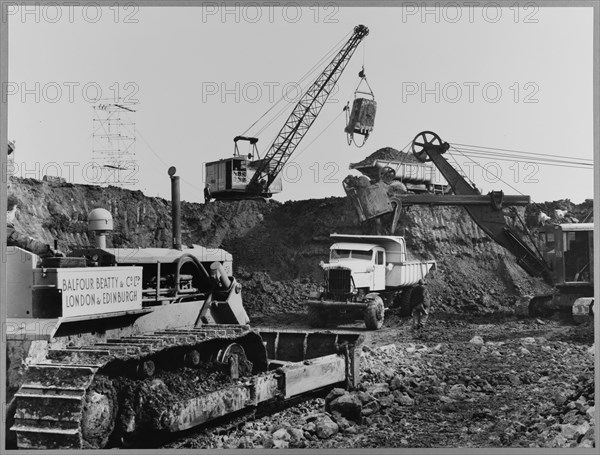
[(229, 178)]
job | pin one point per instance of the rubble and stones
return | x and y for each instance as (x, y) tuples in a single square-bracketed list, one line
[(433, 393)]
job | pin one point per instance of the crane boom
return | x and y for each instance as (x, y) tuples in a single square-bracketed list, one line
[(304, 114)]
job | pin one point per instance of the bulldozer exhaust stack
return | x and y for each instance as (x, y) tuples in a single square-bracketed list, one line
[(175, 208)]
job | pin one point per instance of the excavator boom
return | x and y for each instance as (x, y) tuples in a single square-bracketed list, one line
[(427, 146), (373, 200)]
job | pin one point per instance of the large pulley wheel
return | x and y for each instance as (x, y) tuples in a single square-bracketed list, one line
[(423, 140), (235, 353)]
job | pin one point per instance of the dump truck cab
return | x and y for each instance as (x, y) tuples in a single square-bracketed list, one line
[(364, 275), (366, 262)]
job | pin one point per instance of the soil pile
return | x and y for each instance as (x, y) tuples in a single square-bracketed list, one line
[(386, 154)]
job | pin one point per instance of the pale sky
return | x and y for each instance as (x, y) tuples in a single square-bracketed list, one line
[(512, 78)]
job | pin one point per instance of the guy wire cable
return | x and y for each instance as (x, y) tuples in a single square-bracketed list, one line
[(302, 79)]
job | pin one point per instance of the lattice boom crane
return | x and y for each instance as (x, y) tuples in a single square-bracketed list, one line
[(232, 178)]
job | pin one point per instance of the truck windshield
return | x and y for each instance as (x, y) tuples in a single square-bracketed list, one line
[(365, 255), (351, 254), (340, 254)]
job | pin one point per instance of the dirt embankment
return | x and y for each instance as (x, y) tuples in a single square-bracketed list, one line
[(277, 247)]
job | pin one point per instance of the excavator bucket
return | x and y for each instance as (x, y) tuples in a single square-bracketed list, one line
[(369, 201)]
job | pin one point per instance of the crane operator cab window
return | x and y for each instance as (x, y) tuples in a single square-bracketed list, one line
[(239, 171)]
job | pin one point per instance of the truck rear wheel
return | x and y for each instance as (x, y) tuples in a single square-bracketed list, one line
[(317, 317), (373, 315), (404, 301)]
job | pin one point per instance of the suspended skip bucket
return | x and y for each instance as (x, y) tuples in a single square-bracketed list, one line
[(362, 117)]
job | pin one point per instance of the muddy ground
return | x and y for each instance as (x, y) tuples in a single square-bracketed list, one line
[(463, 381)]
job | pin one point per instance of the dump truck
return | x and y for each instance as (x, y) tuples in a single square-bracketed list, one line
[(416, 176), (111, 347), (365, 275)]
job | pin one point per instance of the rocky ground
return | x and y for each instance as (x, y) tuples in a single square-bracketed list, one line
[(468, 381)]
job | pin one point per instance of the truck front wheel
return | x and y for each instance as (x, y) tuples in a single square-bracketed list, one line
[(374, 312)]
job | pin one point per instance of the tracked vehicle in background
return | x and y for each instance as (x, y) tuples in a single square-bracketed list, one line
[(112, 346)]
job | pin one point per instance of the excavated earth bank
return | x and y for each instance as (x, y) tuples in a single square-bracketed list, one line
[(479, 376), (277, 247)]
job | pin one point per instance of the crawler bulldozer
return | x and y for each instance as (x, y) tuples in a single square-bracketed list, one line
[(111, 347)]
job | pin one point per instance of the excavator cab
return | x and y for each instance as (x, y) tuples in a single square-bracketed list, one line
[(568, 250)]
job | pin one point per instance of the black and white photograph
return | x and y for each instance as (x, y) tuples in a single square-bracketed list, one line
[(308, 226)]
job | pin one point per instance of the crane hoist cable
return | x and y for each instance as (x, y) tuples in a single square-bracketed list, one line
[(302, 116), (515, 151), (536, 204), (550, 161), (534, 160), (452, 147), (562, 164), (513, 210), (301, 81), (520, 153)]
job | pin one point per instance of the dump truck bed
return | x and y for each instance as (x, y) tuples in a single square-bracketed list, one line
[(408, 273)]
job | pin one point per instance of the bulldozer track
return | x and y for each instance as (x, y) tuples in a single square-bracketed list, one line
[(68, 401)]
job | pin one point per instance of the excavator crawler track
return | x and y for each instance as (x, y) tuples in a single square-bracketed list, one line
[(78, 397)]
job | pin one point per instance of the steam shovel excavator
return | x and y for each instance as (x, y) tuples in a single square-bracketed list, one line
[(566, 262)]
